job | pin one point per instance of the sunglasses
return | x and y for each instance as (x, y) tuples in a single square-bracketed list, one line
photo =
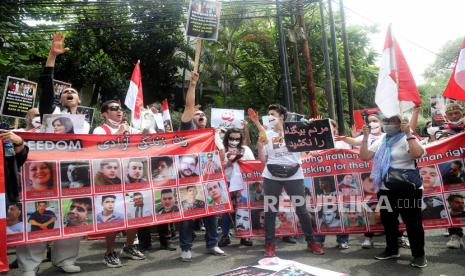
[(115, 108)]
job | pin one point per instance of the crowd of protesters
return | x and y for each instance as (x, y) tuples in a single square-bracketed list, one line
[(390, 142)]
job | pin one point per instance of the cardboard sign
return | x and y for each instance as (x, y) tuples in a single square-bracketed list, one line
[(65, 124), (18, 97), (227, 118), (88, 112), (302, 137), (203, 19)]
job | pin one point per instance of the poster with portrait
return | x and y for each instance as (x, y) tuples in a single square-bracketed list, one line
[(434, 212), (325, 189), (256, 194), (75, 177), (150, 122), (15, 222), (217, 196), (241, 197), (284, 223), (40, 179), (348, 187), (107, 175), (188, 168), (430, 179), (329, 219), (18, 97), (453, 175), (43, 219), (192, 200), (135, 173), (438, 110), (353, 218), (109, 211), (211, 166), (88, 112), (163, 171), (203, 20), (139, 207), (167, 204), (258, 221), (366, 182), (78, 215), (65, 124), (227, 118), (456, 207), (243, 222), (58, 87)]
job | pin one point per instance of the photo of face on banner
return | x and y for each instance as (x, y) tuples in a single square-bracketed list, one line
[(217, 196), (284, 223), (43, 219), (353, 218), (135, 173), (433, 208), (348, 187), (453, 175), (325, 189), (107, 175), (139, 207), (75, 177), (430, 177), (368, 187), (456, 207), (167, 204), (78, 216), (211, 166), (257, 194), (374, 217), (241, 197), (163, 171), (188, 168), (329, 219), (192, 200), (14, 222), (242, 222), (258, 221), (40, 179), (109, 210)]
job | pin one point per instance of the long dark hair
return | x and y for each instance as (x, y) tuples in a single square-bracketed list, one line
[(226, 138)]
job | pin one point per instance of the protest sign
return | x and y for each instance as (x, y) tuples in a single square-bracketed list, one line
[(227, 118), (65, 124), (315, 135), (203, 19), (438, 110), (123, 171), (361, 117), (341, 198), (58, 87), (18, 97), (88, 112)]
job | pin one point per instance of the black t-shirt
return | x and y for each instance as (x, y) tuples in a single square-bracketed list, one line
[(46, 216), (187, 126)]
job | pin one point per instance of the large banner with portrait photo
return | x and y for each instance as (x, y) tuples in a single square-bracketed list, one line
[(341, 198), (75, 185)]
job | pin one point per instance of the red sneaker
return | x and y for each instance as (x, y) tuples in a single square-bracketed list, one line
[(270, 250), (316, 248)]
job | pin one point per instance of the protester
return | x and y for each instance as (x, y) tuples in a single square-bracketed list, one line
[(32, 119), (282, 170), (398, 149), (234, 150), (114, 120), (196, 119)]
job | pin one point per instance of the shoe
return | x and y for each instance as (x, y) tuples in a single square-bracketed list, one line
[(216, 251), (202, 228), (14, 264), (28, 273), (224, 241), (403, 242), (446, 234), (246, 242), (186, 256), (70, 268), (290, 240), (167, 247), (455, 242), (367, 243), (112, 260), (270, 250), (131, 252), (419, 262), (387, 255), (343, 245), (144, 248), (316, 248)]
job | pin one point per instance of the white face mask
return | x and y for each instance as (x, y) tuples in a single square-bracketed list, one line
[(391, 130), (272, 121), (113, 123), (432, 130), (36, 122), (233, 144), (375, 127)]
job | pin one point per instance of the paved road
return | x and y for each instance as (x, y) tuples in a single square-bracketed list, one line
[(355, 261)]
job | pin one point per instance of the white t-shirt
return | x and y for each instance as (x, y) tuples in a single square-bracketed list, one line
[(371, 138), (342, 145), (278, 153), (248, 155)]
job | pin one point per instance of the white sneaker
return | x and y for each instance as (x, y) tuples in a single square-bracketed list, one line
[(216, 251), (343, 245), (186, 256), (455, 242), (28, 273), (403, 242), (367, 243), (70, 268)]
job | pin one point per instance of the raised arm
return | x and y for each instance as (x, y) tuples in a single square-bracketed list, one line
[(189, 108), (365, 154)]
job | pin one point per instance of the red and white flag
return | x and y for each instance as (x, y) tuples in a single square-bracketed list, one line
[(396, 91), (134, 98), (456, 87), (166, 116)]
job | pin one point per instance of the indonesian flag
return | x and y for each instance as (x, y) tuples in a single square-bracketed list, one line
[(456, 87), (134, 98), (396, 91)]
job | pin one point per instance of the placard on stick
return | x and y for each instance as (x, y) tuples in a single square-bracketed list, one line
[(301, 137), (18, 97), (58, 87), (203, 19)]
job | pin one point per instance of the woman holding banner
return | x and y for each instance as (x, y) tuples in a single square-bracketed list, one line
[(398, 182), (282, 170)]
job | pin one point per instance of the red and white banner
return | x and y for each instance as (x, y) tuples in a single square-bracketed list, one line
[(135, 97), (341, 198), (456, 87), (3, 224), (75, 185)]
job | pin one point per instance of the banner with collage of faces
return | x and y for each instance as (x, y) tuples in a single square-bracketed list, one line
[(75, 185), (341, 198)]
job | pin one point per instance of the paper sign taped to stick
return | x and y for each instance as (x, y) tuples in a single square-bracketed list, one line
[(18, 97), (203, 19), (301, 137), (227, 118)]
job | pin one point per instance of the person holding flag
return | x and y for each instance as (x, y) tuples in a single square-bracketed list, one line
[(166, 116)]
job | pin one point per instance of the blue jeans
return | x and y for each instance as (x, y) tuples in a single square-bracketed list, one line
[(225, 223), (339, 238), (187, 227)]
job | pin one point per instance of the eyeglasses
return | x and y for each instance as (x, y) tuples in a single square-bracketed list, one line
[(115, 108), (234, 139)]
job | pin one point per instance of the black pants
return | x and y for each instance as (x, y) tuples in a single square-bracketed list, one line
[(456, 231), (408, 205), (294, 188), (145, 237)]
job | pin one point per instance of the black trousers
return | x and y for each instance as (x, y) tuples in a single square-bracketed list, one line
[(145, 237), (408, 205)]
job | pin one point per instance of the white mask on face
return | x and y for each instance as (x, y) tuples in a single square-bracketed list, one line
[(375, 127), (391, 130), (432, 130), (36, 122), (113, 123), (273, 121), (233, 144)]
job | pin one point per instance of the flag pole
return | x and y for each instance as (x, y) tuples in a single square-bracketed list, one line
[(198, 49)]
